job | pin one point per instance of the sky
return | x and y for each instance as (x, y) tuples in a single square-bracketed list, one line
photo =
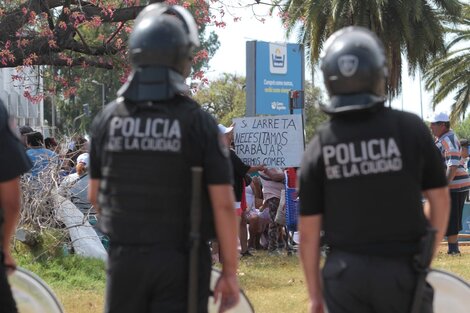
[(231, 57)]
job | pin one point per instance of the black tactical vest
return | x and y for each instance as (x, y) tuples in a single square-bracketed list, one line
[(372, 187), (145, 191)]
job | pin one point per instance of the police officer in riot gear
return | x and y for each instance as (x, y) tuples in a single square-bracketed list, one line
[(13, 163), (143, 146), (362, 179)]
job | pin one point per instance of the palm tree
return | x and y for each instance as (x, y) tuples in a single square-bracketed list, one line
[(451, 73), (410, 28)]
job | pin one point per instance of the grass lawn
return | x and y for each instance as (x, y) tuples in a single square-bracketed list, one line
[(274, 284)]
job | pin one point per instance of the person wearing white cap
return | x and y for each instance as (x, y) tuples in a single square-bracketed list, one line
[(457, 176), (225, 130), (81, 169), (240, 169)]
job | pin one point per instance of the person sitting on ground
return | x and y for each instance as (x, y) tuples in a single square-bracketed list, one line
[(79, 188), (75, 187), (81, 169), (272, 180), (51, 144), (255, 221), (78, 146)]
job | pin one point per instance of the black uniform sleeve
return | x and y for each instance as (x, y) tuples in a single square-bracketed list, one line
[(311, 180), (98, 128), (13, 159), (216, 162), (240, 168), (433, 172)]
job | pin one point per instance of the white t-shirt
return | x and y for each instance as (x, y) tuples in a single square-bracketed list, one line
[(250, 197)]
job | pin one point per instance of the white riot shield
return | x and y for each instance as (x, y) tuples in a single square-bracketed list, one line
[(32, 295), (451, 293), (243, 306)]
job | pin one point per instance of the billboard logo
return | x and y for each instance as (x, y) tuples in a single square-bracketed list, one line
[(279, 106), (277, 58)]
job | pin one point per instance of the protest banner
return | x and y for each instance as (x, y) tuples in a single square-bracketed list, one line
[(275, 141)]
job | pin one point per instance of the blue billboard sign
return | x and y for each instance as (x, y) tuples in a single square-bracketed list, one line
[(277, 69)]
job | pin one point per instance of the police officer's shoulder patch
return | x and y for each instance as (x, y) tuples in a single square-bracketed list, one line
[(222, 146)]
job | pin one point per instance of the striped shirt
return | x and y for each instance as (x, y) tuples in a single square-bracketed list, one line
[(449, 146)]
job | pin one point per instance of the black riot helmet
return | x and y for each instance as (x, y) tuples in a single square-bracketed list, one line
[(163, 36), (160, 47), (354, 71)]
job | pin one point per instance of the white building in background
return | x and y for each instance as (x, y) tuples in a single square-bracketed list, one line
[(12, 95)]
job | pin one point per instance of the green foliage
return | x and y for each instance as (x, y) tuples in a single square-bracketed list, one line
[(313, 115), (451, 73), (273, 283), (73, 87), (51, 243), (51, 260), (463, 129), (225, 99), (414, 29), (69, 272), (265, 279)]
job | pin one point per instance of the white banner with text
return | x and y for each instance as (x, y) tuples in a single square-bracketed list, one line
[(275, 141)]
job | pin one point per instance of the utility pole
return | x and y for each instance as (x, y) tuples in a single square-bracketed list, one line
[(103, 100), (53, 114)]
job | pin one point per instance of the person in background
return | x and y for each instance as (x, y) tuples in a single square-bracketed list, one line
[(457, 177), (254, 199), (13, 163), (464, 144), (465, 158), (144, 146), (24, 131), (78, 146), (362, 178), (79, 189), (75, 188), (81, 170), (272, 180), (41, 157), (51, 144), (240, 170)]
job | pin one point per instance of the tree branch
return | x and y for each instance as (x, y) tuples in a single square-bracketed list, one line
[(81, 61), (43, 45), (84, 42)]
